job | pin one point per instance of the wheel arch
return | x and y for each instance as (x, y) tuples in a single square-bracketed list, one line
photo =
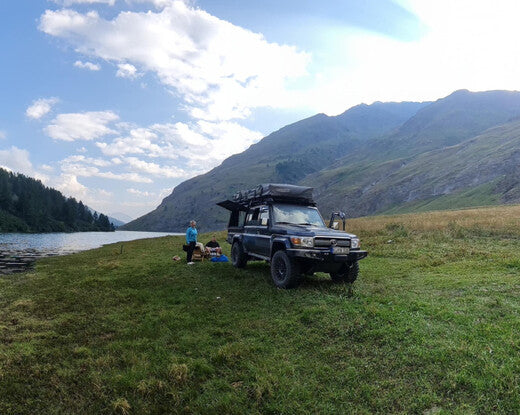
[(279, 244)]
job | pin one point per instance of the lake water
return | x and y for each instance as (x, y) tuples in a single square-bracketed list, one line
[(47, 244)]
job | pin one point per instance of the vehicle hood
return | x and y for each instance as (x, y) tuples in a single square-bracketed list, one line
[(303, 230)]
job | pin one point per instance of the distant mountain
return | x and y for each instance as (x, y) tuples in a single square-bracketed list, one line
[(116, 222), (120, 217), (461, 150), (287, 155), (26, 205)]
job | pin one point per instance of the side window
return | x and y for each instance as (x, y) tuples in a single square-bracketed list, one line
[(264, 216), (237, 218), (252, 217), (241, 218)]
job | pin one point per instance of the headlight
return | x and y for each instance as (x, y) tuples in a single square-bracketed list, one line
[(354, 243), (306, 241)]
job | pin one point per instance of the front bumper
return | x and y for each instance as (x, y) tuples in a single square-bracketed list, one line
[(323, 255)]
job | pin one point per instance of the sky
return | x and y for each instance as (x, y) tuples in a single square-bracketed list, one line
[(115, 102)]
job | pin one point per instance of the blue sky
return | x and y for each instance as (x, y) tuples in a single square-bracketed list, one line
[(115, 102)]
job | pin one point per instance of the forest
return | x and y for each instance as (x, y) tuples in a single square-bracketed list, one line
[(27, 205)]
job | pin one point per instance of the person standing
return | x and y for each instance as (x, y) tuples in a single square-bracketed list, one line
[(191, 240)]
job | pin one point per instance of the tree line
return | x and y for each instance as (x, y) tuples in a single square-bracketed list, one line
[(26, 205)]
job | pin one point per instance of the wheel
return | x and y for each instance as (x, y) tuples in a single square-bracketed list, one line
[(238, 256), (285, 271), (347, 273)]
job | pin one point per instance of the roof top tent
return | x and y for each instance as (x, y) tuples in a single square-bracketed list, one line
[(265, 193)]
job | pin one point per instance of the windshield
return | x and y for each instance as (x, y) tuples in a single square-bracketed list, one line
[(297, 215)]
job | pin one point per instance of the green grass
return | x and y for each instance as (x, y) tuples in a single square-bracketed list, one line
[(478, 196), (431, 328)]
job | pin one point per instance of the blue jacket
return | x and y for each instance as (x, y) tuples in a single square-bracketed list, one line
[(191, 235)]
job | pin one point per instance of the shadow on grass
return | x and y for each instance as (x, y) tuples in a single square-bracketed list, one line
[(317, 282)]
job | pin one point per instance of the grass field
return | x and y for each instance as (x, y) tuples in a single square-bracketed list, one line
[(431, 328)]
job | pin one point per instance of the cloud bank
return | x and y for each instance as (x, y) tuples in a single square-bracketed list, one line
[(220, 70)]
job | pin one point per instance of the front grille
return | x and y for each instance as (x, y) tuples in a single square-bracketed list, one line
[(321, 242)]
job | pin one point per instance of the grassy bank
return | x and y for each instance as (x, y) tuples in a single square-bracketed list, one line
[(432, 328)]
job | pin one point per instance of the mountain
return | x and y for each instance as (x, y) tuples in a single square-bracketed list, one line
[(26, 205), (287, 155), (461, 150), (116, 222), (120, 217), (423, 160)]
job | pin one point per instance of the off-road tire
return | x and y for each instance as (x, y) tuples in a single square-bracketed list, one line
[(285, 271), (347, 274), (238, 256)]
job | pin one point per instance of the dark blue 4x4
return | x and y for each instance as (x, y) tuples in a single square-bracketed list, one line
[(280, 223)]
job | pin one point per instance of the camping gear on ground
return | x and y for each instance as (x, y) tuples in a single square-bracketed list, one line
[(221, 258)]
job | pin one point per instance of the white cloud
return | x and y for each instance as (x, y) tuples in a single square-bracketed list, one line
[(68, 184), (140, 193), (40, 107), (99, 199), (204, 144), (127, 177), (154, 169), (104, 193), (18, 160), (2, 135), (15, 159), (87, 65), (68, 3), (81, 126), (86, 160), (46, 167), (139, 141), (82, 166), (219, 69), (157, 3), (126, 70), (200, 145)]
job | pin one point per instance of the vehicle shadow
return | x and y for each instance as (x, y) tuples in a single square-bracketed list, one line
[(316, 282)]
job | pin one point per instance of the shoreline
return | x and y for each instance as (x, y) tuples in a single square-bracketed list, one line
[(16, 262), (19, 252)]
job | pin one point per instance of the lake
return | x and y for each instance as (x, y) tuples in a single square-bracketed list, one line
[(19, 250), (67, 243)]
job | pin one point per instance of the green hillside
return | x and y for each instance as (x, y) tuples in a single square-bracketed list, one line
[(479, 171), (26, 205), (461, 150)]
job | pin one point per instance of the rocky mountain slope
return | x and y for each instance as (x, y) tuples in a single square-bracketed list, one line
[(462, 150)]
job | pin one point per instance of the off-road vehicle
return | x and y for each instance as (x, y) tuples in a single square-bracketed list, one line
[(280, 224)]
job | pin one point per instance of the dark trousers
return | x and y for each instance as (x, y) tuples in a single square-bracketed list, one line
[(189, 252)]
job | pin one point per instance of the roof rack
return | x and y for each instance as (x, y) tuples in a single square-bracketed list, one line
[(270, 192)]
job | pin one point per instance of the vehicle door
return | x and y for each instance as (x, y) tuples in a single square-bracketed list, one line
[(250, 230), (263, 232)]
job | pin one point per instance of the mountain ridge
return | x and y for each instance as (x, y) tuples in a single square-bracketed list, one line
[(367, 160)]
